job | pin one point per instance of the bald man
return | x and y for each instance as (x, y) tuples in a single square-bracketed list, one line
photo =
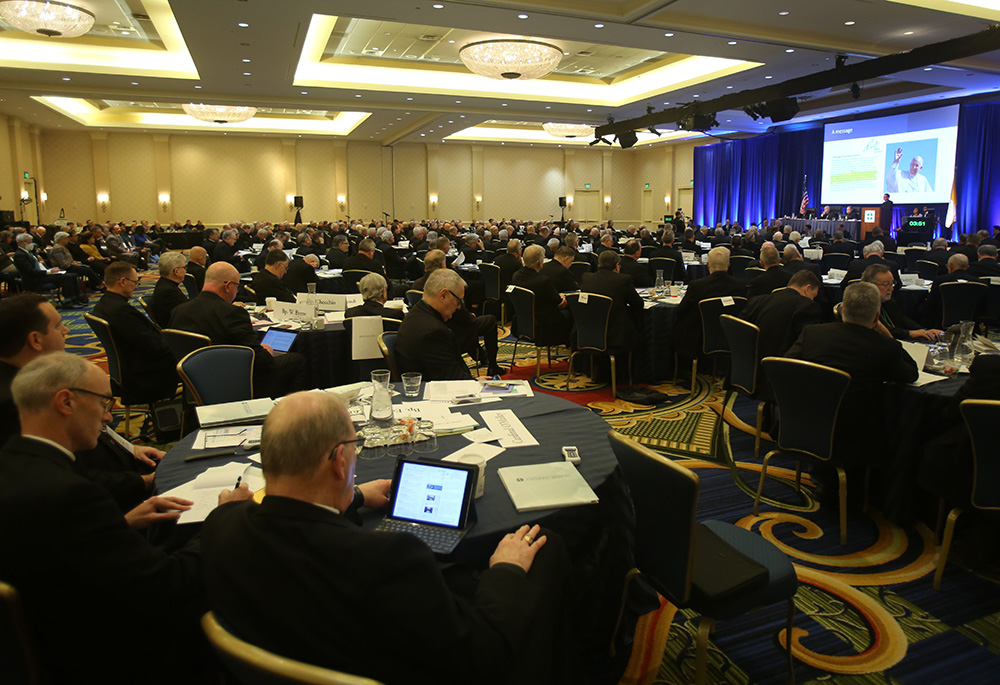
[(213, 313), (197, 260)]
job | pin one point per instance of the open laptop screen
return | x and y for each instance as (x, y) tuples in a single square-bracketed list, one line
[(438, 494), (280, 341)]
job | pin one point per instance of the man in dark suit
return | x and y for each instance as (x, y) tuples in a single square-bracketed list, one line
[(509, 262), (891, 314), (225, 249), (626, 306), (888, 242), (838, 245), (366, 589), (425, 343), (864, 349), (885, 214), (986, 266), (938, 254), (260, 261), (375, 292), (197, 260), (718, 283), (552, 323), (301, 272), (794, 262), (630, 266), (782, 315), (35, 275), (168, 294), (88, 579), (774, 275), (364, 260), (557, 270), (269, 281), (968, 245), (339, 252), (958, 272), (668, 250), (146, 362), (871, 254), (213, 314)]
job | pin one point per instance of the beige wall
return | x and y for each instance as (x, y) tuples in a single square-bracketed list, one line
[(219, 178)]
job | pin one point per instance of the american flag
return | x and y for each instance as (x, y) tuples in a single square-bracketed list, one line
[(805, 196)]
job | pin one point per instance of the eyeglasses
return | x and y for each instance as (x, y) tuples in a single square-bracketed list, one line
[(359, 444), (109, 401), (133, 281), (885, 285), (456, 297)]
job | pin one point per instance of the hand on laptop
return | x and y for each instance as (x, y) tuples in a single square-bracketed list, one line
[(519, 548), (376, 493)]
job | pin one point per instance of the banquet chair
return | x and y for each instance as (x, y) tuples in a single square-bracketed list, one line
[(898, 259), (491, 288), (752, 272), (714, 568), (914, 255), (647, 251), (363, 367), (713, 340), (927, 270), (191, 285), (525, 324), (182, 343), (739, 263), (744, 369), (121, 385), (149, 312), (981, 418), (352, 277), (837, 260), (806, 429), (387, 344), (18, 653), (961, 301), (592, 319), (665, 264), (413, 296), (578, 269), (218, 373), (252, 665)]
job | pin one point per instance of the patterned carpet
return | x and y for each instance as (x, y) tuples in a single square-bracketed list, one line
[(866, 612)]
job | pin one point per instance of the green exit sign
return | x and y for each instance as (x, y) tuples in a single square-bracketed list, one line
[(586, 185), (26, 175), (647, 186)]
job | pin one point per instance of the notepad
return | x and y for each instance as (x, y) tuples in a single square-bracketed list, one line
[(234, 412), (546, 486)]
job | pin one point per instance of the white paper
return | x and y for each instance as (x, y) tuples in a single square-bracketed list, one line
[(835, 275), (365, 331), (908, 279), (481, 435), (584, 298), (333, 317), (446, 391), (918, 351), (512, 432), (728, 301), (204, 490), (924, 378), (487, 452), (231, 436)]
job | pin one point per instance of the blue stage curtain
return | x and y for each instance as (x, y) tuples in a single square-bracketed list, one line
[(977, 181), (758, 178)]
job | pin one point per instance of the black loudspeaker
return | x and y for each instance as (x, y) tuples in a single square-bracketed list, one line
[(562, 202), (6, 217), (298, 202), (783, 109)]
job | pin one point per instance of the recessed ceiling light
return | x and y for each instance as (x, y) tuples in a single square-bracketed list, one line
[(399, 118), (907, 33), (728, 120), (458, 102), (243, 25), (422, 135), (925, 69), (695, 95), (848, 23), (729, 87), (135, 83), (768, 77), (666, 103), (503, 104), (409, 98), (597, 26), (357, 96), (789, 50), (522, 16), (246, 73), (732, 42), (565, 54), (451, 41), (668, 35), (65, 78), (126, 33), (451, 121), (305, 92), (783, 13), (246, 61), (198, 87), (548, 107), (438, 7)]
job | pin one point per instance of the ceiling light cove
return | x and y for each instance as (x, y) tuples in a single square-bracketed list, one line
[(315, 70)]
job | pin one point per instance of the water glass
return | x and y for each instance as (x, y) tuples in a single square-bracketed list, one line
[(411, 383), (425, 439)]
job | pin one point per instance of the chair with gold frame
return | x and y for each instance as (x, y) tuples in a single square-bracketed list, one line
[(744, 370), (18, 653)]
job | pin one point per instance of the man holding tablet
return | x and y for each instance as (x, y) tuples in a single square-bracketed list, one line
[(370, 603)]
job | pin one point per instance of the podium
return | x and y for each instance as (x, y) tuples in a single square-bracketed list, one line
[(870, 218)]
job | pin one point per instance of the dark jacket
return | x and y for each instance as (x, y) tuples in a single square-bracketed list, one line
[(626, 308), (426, 344), (166, 295), (266, 285)]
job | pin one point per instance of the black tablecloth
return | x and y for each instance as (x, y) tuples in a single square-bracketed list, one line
[(328, 356), (653, 360), (554, 422)]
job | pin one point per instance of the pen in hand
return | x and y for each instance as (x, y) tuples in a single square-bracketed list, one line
[(238, 481)]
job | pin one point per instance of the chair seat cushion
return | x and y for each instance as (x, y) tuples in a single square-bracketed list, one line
[(736, 570)]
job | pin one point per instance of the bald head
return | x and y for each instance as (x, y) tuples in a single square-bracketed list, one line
[(223, 279), (718, 259), (300, 432), (198, 255)]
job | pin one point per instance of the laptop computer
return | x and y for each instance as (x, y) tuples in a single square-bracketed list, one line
[(432, 501), (280, 341)]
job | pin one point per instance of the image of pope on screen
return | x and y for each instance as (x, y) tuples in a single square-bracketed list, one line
[(905, 167)]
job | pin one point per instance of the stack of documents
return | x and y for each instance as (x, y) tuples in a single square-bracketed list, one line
[(234, 412), (204, 490), (546, 486)]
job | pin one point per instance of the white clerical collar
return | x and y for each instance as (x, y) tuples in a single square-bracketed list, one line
[(328, 508), (72, 457)]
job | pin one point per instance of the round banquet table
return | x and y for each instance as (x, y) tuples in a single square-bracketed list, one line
[(553, 422)]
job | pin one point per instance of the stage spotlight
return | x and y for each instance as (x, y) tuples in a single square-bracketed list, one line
[(750, 112), (855, 90), (839, 61), (649, 109), (653, 131), (602, 139), (627, 139)]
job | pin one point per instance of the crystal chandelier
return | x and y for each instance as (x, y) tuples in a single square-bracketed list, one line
[(219, 114), (567, 130), (52, 19), (510, 59)]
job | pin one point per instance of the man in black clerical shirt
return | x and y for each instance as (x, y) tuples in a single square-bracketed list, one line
[(375, 292), (268, 281), (167, 294)]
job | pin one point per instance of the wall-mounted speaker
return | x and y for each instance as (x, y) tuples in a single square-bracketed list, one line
[(298, 202)]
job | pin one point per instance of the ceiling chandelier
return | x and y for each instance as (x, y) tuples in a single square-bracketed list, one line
[(219, 114), (510, 59), (52, 19), (567, 130)]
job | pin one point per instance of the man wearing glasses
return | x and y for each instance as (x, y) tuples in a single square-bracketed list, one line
[(90, 580), (213, 313), (147, 364), (891, 314), (168, 294), (425, 343)]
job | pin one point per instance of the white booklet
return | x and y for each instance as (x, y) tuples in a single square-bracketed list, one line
[(546, 486), (234, 412)]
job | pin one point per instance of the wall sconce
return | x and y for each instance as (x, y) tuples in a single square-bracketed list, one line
[(164, 198), (434, 202), (45, 197), (479, 202), (290, 199), (569, 200), (666, 200), (607, 202), (103, 199), (24, 195), (342, 202)]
